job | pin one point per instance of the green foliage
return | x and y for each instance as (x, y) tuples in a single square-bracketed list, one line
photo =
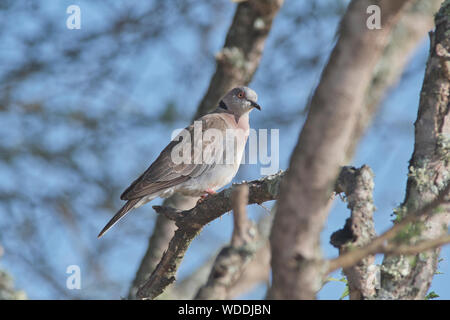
[(345, 293), (431, 295), (409, 232)]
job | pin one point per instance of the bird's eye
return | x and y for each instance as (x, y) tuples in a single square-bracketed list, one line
[(241, 95)]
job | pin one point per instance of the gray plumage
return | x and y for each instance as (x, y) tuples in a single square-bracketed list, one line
[(166, 176)]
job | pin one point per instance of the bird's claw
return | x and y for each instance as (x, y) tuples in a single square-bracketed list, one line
[(208, 192)]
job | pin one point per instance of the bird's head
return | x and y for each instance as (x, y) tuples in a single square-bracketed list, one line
[(239, 101)]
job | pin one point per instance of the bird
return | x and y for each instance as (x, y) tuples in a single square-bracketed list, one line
[(197, 177)]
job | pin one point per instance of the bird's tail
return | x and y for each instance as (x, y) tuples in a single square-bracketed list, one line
[(119, 215)]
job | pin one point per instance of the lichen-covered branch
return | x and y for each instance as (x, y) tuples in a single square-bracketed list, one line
[(7, 290), (158, 241), (321, 149), (190, 223), (358, 231), (409, 276), (255, 272), (386, 74)]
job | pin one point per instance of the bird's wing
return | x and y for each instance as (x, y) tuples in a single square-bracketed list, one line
[(163, 173)]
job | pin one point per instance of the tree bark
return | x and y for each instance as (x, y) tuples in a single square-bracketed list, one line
[(304, 202), (159, 240), (358, 231), (411, 29), (256, 271), (409, 277), (190, 222)]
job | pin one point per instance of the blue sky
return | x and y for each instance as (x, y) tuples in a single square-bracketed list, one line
[(386, 148)]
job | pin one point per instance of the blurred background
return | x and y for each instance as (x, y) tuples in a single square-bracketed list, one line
[(84, 112)]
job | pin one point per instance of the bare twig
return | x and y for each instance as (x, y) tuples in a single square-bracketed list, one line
[(417, 248)]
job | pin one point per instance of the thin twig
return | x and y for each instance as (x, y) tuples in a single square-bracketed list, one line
[(417, 248)]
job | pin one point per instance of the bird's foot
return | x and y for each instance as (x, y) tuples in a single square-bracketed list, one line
[(207, 192), (210, 192)]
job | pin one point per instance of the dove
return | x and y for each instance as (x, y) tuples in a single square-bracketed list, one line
[(208, 162)]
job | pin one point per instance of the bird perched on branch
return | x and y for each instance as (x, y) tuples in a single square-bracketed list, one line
[(201, 159)]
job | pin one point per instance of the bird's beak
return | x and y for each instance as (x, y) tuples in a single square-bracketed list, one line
[(255, 105)]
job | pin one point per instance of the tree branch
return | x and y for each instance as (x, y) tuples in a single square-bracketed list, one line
[(417, 248), (190, 222), (407, 34), (158, 241), (409, 277), (256, 271), (358, 231), (321, 149)]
